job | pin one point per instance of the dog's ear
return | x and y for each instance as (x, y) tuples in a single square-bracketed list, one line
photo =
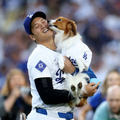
[(71, 26)]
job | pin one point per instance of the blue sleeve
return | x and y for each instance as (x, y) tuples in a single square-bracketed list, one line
[(96, 100), (90, 73)]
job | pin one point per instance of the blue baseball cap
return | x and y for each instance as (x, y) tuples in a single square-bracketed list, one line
[(29, 18)]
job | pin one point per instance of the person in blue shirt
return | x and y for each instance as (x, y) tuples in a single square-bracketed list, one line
[(110, 109)]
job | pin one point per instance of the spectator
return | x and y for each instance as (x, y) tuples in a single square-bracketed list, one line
[(112, 78), (15, 97), (110, 109)]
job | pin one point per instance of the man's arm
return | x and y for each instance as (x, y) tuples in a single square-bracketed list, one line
[(69, 67), (90, 73), (89, 88), (49, 95), (84, 111)]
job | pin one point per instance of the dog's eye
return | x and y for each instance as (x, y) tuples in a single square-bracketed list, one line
[(59, 19)]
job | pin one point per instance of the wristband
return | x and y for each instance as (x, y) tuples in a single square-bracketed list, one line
[(75, 72)]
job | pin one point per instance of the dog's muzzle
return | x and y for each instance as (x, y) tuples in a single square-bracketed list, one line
[(51, 24)]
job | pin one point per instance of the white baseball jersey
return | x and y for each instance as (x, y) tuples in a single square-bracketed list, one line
[(43, 63)]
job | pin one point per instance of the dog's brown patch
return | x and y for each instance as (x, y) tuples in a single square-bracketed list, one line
[(67, 25), (83, 101)]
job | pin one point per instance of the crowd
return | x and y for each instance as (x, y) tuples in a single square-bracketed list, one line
[(98, 21)]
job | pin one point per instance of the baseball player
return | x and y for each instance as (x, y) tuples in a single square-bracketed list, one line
[(49, 99)]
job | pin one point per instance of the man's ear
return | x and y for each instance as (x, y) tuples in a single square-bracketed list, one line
[(32, 37)]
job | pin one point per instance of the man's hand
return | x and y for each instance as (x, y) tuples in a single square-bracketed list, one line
[(69, 67), (90, 89)]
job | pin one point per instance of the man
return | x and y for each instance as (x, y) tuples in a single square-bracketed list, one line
[(49, 99), (110, 109)]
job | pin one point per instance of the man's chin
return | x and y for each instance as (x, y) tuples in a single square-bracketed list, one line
[(116, 111)]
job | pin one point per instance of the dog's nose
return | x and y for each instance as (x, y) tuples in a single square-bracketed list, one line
[(48, 21)]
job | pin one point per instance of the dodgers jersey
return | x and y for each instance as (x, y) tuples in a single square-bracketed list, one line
[(43, 63)]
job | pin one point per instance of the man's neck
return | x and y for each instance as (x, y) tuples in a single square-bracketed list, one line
[(49, 44)]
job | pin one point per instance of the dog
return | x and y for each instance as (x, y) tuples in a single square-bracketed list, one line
[(69, 43)]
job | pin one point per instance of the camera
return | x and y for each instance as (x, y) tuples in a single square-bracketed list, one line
[(25, 90)]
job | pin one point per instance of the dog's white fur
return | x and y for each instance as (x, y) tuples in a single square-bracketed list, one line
[(63, 46), (74, 81), (68, 46)]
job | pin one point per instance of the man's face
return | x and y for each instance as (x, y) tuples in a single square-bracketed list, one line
[(114, 102), (40, 30), (113, 79)]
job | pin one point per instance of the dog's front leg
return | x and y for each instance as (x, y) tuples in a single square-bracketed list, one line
[(73, 103), (79, 88), (73, 91)]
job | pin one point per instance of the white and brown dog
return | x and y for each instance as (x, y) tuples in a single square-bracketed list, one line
[(69, 43)]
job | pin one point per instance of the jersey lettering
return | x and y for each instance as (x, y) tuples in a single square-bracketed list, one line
[(30, 16), (73, 61), (85, 56), (59, 74)]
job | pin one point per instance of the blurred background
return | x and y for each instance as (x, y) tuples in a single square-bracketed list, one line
[(98, 21)]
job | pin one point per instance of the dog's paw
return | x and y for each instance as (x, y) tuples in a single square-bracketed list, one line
[(79, 85), (73, 88), (61, 61), (73, 91), (81, 65)]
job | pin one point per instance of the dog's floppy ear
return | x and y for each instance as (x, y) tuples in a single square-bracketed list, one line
[(71, 26)]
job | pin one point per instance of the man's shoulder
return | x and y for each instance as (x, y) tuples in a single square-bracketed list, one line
[(102, 112), (38, 54), (104, 106), (35, 53)]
